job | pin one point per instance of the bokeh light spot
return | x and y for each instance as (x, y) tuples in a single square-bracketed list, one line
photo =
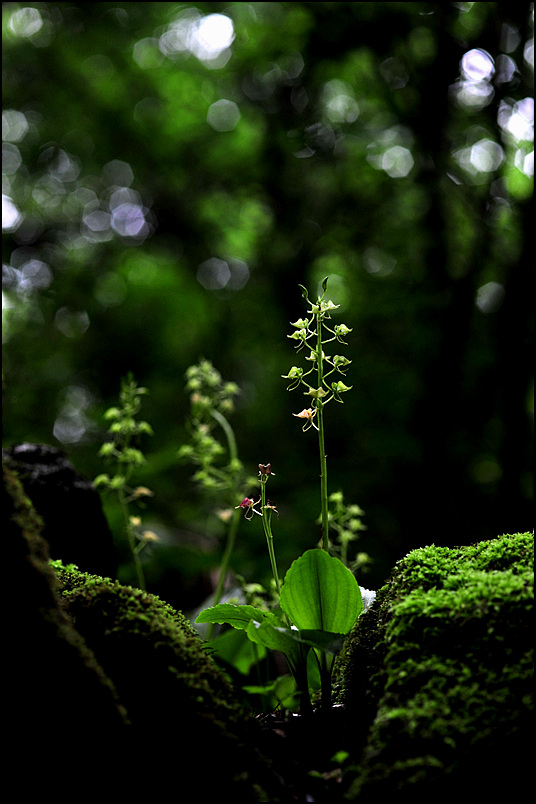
[(14, 125), (11, 215), (26, 22), (208, 38), (397, 162), (118, 173), (128, 220), (71, 323), (223, 115), (377, 262), (213, 35), (213, 274), (477, 65), (11, 159), (489, 297)]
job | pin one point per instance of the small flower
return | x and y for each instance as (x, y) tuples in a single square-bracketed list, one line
[(339, 388), (248, 504), (265, 469), (299, 335), (340, 331), (271, 507), (323, 306), (149, 536), (340, 362), (308, 414), (295, 374), (142, 491), (316, 393), (301, 323)]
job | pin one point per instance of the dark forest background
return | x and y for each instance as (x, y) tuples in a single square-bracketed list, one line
[(173, 172)]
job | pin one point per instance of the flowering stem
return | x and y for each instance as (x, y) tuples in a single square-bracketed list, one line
[(130, 536), (321, 443), (266, 516), (323, 478), (229, 434), (224, 565), (233, 526)]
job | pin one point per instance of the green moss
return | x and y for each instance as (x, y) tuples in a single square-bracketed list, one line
[(146, 644), (441, 670), (170, 686)]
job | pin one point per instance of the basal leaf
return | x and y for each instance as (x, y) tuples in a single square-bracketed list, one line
[(321, 594), (274, 637), (236, 616)]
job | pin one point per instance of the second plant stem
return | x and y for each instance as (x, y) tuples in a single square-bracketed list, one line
[(235, 519), (130, 536), (266, 515)]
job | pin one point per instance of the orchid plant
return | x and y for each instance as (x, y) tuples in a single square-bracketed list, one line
[(213, 450), (122, 449), (320, 598)]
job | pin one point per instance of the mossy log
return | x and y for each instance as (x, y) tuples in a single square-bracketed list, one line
[(437, 676)]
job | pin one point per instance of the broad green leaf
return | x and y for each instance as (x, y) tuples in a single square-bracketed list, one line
[(288, 640), (275, 638), (236, 616), (321, 594)]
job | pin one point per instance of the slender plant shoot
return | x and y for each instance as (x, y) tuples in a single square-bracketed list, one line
[(220, 473)]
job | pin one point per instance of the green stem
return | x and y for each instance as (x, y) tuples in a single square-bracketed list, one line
[(266, 516), (229, 434), (323, 478), (130, 536), (226, 558), (321, 443), (299, 672), (233, 527)]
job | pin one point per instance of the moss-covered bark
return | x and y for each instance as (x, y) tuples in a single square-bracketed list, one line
[(440, 669)]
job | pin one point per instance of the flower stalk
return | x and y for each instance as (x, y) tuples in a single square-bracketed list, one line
[(265, 470), (315, 333), (220, 472), (123, 431)]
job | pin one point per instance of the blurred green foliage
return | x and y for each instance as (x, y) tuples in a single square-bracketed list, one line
[(172, 172)]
